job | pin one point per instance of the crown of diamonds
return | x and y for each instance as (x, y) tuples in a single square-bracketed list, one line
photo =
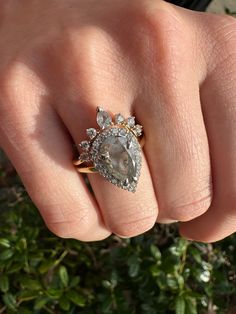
[(105, 121)]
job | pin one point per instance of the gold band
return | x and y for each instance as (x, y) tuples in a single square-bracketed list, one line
[(91, 169)]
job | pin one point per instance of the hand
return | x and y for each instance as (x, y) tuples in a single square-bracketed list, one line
[(174, 69)]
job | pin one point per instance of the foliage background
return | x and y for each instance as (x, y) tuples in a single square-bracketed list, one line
[(157, 272)]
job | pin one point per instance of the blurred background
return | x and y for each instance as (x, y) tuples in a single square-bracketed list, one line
[(154, 273), (222, 6)]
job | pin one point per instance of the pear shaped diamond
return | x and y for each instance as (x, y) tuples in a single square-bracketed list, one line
[(116, 155)]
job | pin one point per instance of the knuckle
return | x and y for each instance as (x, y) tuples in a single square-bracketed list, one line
[(190, 210), (226, 26), (68, 223), (134, 224), (19, 85), (155, 13), (164, 31), (223, 47), (102, 51), (228, 41), (135, 227)]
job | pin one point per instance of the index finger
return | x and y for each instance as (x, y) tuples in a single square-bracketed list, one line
[(40, 148)]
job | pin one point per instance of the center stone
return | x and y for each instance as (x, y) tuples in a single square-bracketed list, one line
[(118, 157)]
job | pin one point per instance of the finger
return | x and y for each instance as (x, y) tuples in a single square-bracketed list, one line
[(37, 143), (176, 146), (125, 213), (219, 106), (178, 156)]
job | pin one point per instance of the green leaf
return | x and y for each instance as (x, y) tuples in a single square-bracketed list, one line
[(54, 293), (4, 283), (191, 305), (106, 305), (133, 263), (45, 266), (24, 310), (5, 243), (27, 295), (76, 298), (40, 303), (133, 270), (196, 254), (9, 301), (172, 282), (63, 275), (6, 254), (180, 305), (30, 284), (170, 263), (180, 280), (155, 252), (155, 270), (74, 281), (182, 245), (114, 278), (179, 247), (15, 267), (161, 281), (64, 303), (21, 244), (106, 284)]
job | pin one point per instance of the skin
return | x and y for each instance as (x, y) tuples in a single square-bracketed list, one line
[(174, 69)]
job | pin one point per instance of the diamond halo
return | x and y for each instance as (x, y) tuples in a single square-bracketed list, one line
[(114, 149)]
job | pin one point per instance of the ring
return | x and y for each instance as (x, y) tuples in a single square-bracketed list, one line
[(113, 150)]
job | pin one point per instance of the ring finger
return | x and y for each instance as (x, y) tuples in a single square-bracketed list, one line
[(126, 214)]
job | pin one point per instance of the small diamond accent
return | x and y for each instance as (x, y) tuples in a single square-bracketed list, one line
[(122, 132), (137, 130), (130, 122), (119, 118), (85, 145), (103, 118), (84, 157), (91, 133)]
